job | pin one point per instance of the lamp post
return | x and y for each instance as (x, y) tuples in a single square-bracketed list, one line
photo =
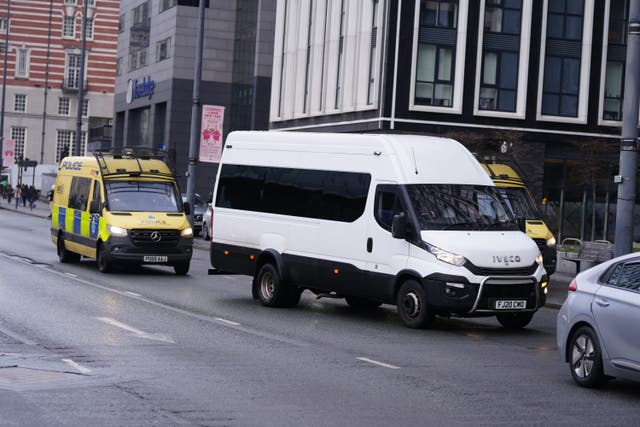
[(76, 141), (4, 85)]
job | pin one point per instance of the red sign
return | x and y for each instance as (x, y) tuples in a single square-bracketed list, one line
[(211, 133), (9, 152)]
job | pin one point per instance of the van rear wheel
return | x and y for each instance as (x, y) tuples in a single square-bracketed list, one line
[(64, 254), (514, 321), (413, 307), (272, 291)]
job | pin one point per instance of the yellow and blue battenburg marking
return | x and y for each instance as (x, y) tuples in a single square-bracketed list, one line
[(85, 227)]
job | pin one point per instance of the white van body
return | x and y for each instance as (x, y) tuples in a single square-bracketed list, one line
[(349, 250)]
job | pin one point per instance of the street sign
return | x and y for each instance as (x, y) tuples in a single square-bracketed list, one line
[(9, 152)]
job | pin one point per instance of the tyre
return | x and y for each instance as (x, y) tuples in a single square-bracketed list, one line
[(64, 254), (413, 307), (585, 358), (182, 268), (362, 303), (205, 232), (272, 291), (514, 320), (104, 266)]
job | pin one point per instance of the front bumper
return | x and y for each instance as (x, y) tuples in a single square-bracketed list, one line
[(456, 295), (130, 251)]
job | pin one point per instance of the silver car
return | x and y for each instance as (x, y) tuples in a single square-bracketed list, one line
[(598, 326)]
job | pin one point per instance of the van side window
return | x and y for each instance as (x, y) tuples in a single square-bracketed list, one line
[(79, 193), (319, 194), (96, 190), (387, 205)]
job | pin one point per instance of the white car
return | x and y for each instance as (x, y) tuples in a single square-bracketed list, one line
[(206, 222), (598, 326)]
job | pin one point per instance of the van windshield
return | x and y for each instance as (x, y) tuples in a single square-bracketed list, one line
[(520, 203), (460, 207), (142, 196)]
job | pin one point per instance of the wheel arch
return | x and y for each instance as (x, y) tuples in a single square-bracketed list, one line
[(272, 256), (402, 277), (574, 328)]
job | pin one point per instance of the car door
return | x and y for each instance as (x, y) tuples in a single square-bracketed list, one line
[(616, 309), (386, 256)]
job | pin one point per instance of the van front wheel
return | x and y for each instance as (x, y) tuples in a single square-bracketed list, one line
[(271, 291), (514, 321), (413, 307), (182, 268), (104, 266)]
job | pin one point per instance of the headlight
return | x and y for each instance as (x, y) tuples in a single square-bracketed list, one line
[(551, 241), (187, 232), (448, 257), (539, 259), (114, 230)]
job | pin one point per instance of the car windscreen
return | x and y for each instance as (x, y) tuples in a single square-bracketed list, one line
[(459, 207), (142, 196), (519, 201)]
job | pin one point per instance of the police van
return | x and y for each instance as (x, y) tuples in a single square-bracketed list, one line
[(121, 208), (376, 219)]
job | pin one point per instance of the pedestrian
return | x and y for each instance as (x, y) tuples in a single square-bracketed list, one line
[(9, 193), (25, 195), (33, 196), (50, 197), (18, 195)]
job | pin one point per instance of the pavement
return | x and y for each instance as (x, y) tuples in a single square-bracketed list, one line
[(557, 287)]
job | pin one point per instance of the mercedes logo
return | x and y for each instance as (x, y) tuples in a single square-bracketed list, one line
[(155, 236)]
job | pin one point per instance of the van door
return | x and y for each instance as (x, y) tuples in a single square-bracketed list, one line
[(385, 255)]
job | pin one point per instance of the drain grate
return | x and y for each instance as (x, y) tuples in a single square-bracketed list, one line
[(17, 376)]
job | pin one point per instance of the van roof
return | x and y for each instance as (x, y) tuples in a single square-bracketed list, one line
[(413, 158), (111, 166)]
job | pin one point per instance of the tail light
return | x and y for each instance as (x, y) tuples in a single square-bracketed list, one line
[(573, 286)]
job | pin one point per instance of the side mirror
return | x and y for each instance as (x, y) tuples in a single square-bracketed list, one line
[(95, 207), (399, 226), (187, 208)]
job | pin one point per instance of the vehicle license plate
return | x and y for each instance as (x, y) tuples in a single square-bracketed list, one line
[(511, 304), (197, 222), (154, 258)]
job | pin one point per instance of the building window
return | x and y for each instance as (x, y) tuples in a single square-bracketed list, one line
[(166, 4), (85, 107), (119, 66), (91, 3), (3, 25), (19, 135), (141, 13), (22, 63), (499, 76), (563, 53), (72, 79), (121, 23), (64, 106), (64, 139), (73, 2), (436, 56), (69, 26), (372, 54), (616, 60), (162, 49), (20, 103), (137, 59), (89, 32)]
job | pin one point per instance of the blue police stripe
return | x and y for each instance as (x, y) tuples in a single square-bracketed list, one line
[(62, 218), (77, 221), (93, 226)]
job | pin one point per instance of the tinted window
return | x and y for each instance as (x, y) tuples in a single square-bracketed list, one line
[(387, 205), (79, 193), (626, 277), (336, 196)]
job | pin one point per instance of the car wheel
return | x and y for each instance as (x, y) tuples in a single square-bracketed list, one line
[(413, 307), (585, 358), (272, 291), (205, 232), (104, 266), (514, 321), (362, 303), (182, 268), (64, 254)]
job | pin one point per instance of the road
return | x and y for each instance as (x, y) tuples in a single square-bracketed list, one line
[(146, 347)]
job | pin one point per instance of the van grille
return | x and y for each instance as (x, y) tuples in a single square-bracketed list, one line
[(167, 238), (518, 271), (500, 289)]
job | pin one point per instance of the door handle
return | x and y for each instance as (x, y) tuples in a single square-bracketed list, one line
[(369, 245), (601, 302)]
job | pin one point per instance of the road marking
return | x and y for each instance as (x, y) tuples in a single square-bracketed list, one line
[(72, 275), (228, 322), (133, 293), (375, 362), (77, 366), (137, 332)]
